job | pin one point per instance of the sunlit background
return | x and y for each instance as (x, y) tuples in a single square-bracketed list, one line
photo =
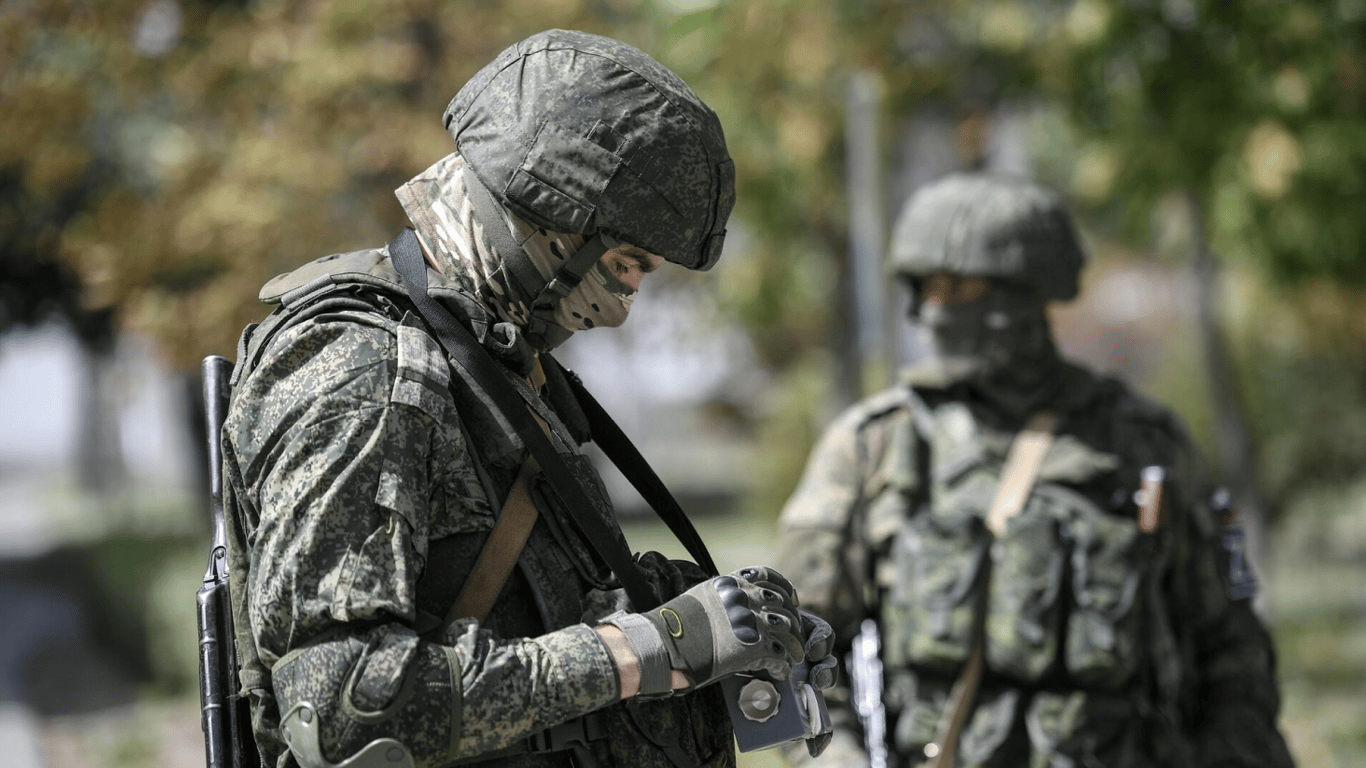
[(160, 160)]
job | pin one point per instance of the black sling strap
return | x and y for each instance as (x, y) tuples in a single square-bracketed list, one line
[(406, 254), (623, 453)]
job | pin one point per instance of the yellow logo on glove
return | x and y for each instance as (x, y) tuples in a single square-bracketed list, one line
[(677, 621)]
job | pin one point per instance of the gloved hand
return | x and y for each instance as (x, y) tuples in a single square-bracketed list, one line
[(822, 667), (818, 644), (741, 622)]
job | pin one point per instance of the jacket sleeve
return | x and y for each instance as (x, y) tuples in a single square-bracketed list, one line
[(1231, 699), (822, 554), (1234, 697), (347, 448)]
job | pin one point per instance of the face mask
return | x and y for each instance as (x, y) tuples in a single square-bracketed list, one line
[(599, 301), (999, 340), (437, 203)]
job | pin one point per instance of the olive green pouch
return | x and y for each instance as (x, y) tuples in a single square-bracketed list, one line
[(1081, 728), (1104, 646), (1024, 605), (991, 737), (930, 612)]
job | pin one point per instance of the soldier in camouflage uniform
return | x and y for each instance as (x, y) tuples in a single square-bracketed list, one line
[(1103, 642), (364, 471)]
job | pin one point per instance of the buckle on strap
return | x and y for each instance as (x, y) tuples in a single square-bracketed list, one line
[(576, 732)]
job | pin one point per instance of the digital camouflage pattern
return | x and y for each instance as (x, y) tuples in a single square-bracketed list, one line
[(578, 133), (978, 224), (364, 471), (1104, 645), (359, 471)]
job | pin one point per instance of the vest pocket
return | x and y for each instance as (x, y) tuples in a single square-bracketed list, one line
[(1022, 624), (931, 610), (1105, 632), (1086, 728), (990, 737), (922, 707)]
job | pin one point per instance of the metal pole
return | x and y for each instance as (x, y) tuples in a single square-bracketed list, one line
[(867, 225)]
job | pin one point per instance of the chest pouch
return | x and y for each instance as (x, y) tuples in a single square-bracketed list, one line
[(1084, 728), (1110, 562), (1024, 608), (930, 611), (987, 738)]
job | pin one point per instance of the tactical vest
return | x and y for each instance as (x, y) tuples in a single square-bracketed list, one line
[(557, 573), (1077, 646)]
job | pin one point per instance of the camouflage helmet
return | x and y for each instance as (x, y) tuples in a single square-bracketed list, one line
[(976, 224), (583, 134)]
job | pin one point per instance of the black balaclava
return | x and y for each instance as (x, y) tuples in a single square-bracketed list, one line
[(998, 347)]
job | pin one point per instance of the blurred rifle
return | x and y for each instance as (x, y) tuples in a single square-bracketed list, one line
[(224, 718), (865, 674)]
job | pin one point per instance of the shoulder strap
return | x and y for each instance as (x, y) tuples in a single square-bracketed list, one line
[(406, 254), (1023, 461), (500, 552), (623, 453)]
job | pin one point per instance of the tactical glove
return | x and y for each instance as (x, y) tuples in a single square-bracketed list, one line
[(821, 667), (742, 622)]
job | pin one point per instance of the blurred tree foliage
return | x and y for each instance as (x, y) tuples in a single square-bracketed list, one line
[(172, 155), (175, 154), (159, 159), (1238, 130)]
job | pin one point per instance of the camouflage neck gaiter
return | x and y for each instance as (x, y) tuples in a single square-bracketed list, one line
[(449, 229), (998, 347)]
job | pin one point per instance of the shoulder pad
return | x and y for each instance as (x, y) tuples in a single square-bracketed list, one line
[(368, 267), (879, 405)]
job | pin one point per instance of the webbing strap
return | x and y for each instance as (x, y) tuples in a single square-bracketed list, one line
[(1021, 469), (624, 454), (500, 552), (1023, 461), (505, 542), (406, 254)]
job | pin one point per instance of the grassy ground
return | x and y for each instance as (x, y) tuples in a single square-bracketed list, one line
[(1317, 582)]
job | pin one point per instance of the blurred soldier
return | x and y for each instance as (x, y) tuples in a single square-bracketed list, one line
[(1034, 607), (366, 472)]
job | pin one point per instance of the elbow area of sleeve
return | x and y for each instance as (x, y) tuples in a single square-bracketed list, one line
[(384, 684)]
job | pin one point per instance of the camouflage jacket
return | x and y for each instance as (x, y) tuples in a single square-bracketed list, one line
[(363, 474), (1104, 645)]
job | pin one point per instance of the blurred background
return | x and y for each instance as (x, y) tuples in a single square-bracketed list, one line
[(160, 160)]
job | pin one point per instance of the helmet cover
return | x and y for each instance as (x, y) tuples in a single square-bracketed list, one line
[(580, 133), (991, 226)]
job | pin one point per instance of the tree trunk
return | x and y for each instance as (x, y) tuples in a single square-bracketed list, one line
[(1236, 449), (99, 452)]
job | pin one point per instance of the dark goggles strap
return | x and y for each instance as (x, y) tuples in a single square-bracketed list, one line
[(515, 259)]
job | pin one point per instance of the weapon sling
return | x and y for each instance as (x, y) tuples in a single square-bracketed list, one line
[(460, 344), (1021, 469)]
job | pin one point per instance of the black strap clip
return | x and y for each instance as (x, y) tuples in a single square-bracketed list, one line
[(577, 732)]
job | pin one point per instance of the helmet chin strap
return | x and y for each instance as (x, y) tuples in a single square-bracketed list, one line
[(565, 280), (542, 329)]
